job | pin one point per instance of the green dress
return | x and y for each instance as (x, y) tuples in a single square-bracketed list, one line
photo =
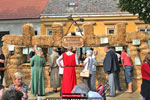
[(37, 83)]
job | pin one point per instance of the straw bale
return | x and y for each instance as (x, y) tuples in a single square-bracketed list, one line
[(13, 39), (120, 29), (136, 36), (144, 51), (57, 29), (97, 40), (15, 61), (89, 41), (144, 45), (5, 50), (112, 39), (142, 57), (134, 53), (88, 29), (27, 40), (27, 29), (17, 56), (130, 36), (89, 34), (120, 33), (18, 50), (132, 47), (43, 40), (143, 36)]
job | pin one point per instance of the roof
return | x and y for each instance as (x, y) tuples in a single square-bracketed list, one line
[(18, 9), (94, 7)]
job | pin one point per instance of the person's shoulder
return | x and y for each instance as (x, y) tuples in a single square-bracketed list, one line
[(144, 64)]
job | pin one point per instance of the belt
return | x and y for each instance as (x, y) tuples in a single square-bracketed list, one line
[(68, 66)]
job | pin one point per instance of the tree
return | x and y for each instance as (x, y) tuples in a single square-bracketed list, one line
[(140, 7)]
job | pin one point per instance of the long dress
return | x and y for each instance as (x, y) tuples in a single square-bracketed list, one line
[(54, 75), (69, 74), (37, 85)]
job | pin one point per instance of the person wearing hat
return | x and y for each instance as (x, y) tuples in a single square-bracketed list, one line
[(69, 74)]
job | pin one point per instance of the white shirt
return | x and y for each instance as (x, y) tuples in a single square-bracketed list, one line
[(95, 63), (61, 70), (87, 66)]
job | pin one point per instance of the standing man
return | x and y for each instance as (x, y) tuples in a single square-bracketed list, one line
[(93, 76), (110, 65), (2, 60), (54, 69), (69, 74), (118, 71), (32, 53)]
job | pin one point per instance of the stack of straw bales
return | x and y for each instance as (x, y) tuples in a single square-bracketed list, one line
[(143, 37), (13, 39), (16, 59), (57, 29), (89, 34), (111, 39), (28, 32), (119, 38), (43, 40), (136, 36), (5, 49), (120, 33)]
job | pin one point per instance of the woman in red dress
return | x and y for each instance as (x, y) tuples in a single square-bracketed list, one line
[(69, 74)]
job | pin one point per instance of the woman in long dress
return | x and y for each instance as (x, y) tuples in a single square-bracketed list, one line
[(69, 74), (38, 63)]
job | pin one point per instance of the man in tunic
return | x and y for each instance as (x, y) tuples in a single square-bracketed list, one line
[(54, 69), (69, 74)]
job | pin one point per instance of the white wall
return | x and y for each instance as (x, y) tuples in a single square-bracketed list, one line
[(15, 26)]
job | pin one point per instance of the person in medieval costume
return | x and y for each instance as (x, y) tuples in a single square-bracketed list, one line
[(54, 69), (69, 74), (38, 63)]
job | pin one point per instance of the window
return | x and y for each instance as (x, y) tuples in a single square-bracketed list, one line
[(110, 31), (146, 30), (36, 33), (50, 32), (2, 33), (142, 30), (72, 4), (50, 50)]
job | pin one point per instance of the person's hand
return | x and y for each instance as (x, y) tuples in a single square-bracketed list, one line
[(123, 67), (24, 96), (49, 69)]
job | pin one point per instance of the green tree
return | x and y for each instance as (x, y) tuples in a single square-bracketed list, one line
[(140, 7)]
